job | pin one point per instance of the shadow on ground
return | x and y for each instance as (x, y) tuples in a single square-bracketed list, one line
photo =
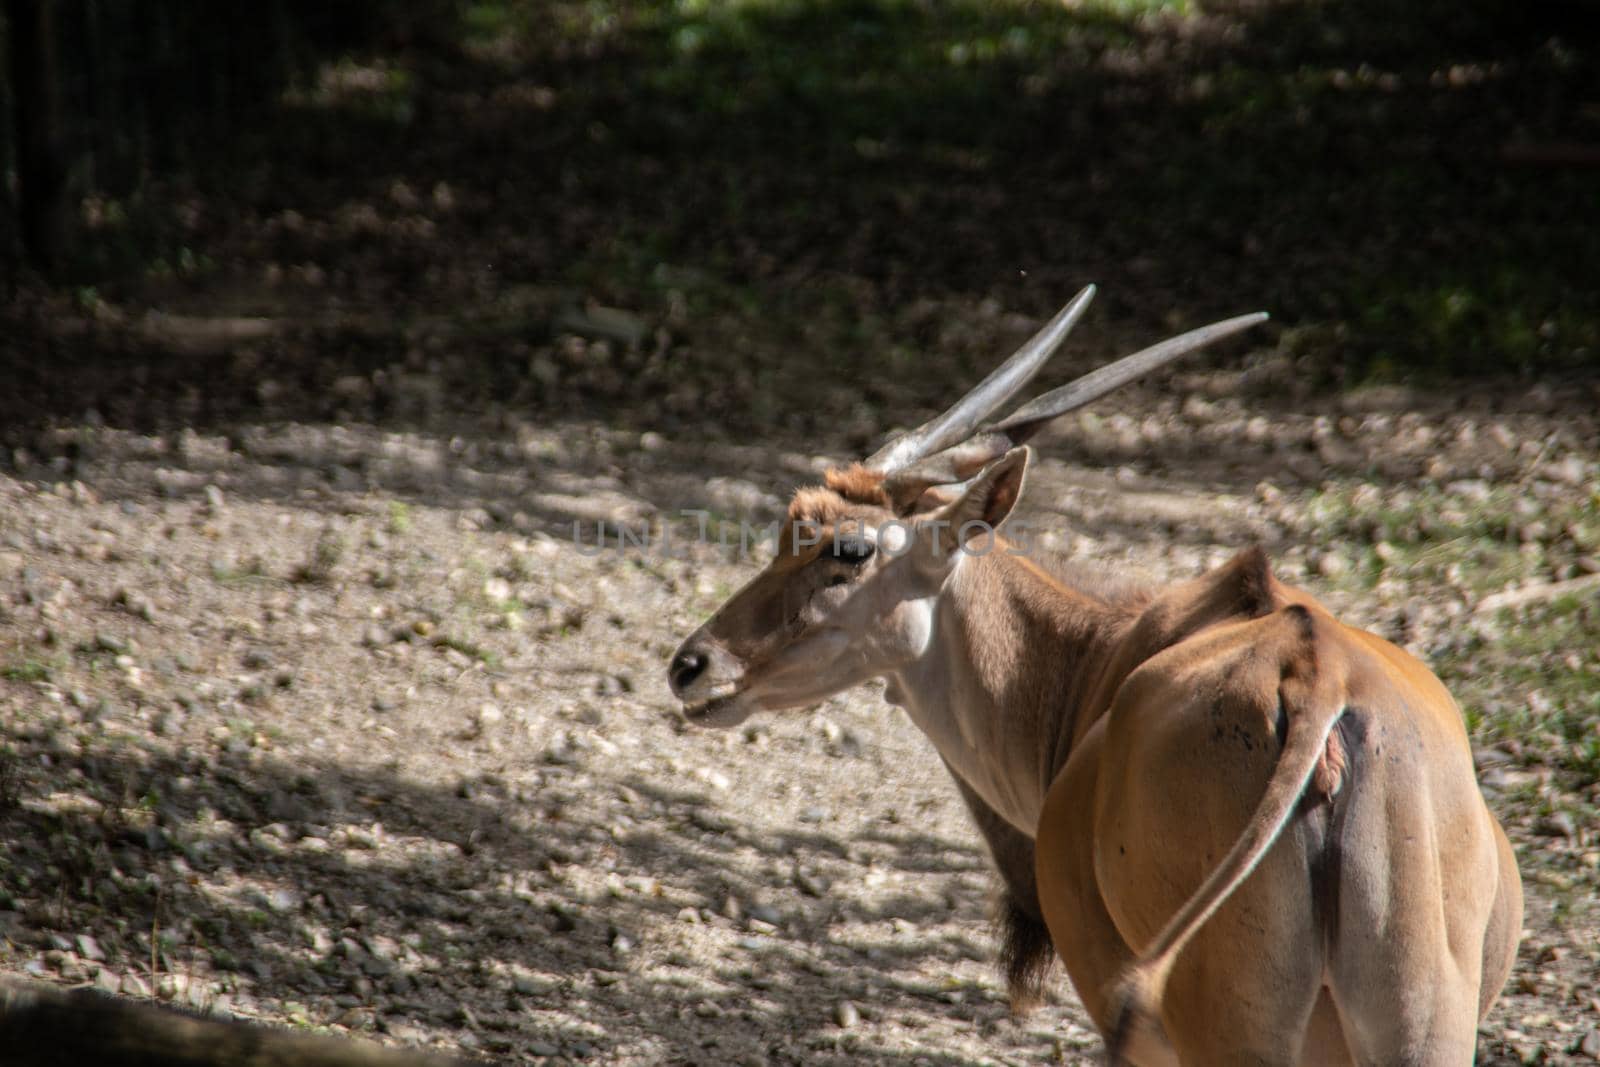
[(340, 882)]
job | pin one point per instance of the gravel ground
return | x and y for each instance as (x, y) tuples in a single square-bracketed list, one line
[(341, 727)]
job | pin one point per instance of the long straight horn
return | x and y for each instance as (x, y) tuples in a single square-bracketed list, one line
[(1001, 385), (1030, 417), (960, 462)]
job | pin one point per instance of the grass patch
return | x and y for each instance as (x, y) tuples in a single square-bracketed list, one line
[(1469, 535), (487, 656), (398, 521), (27, 671), (1534, 680)]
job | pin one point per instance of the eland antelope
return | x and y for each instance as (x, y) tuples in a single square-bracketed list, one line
[(1250, 832)]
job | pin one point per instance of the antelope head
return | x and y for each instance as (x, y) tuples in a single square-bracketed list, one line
[(862, 560)]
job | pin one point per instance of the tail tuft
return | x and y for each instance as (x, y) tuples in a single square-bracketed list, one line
[(1136, 1036), (1026, 953)]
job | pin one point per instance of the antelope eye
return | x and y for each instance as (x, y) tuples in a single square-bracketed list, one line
[(853, 550)]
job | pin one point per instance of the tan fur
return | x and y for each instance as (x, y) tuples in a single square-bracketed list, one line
[(1256, 832), (857, 485)]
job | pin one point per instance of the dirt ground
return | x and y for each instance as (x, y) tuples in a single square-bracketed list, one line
[(343, 727), (316, 707)]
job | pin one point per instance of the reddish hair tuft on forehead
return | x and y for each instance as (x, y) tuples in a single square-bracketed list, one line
[(857, 484)]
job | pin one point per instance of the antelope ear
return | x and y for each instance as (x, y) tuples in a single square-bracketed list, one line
[(986, 500)]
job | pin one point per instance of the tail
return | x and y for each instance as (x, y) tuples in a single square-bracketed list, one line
[(1312, 712)]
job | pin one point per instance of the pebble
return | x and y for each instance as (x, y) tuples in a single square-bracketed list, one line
[(810, 884), (532, 985), (1557, 824), (109, 642), (1569, 471), (1331, 564), (710, 821), (846, 1014)]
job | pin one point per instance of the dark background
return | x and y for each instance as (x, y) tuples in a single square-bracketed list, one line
[(766, 216)]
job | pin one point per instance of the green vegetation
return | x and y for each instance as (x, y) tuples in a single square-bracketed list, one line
[(1536, 683), (786, 181), (28, 670), (1341, 165), (1468, 535), (1527, 678), (399, 518)]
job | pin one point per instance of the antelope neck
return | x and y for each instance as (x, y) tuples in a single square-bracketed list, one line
[(1001, 677)]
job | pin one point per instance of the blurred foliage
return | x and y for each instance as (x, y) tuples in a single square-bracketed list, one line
[(1340, 163), (152, 87)]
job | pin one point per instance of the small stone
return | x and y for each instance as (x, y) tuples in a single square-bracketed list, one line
[(531, 985), (605, 323), (109, 642), (1590, 1045), (810, 885), (1557, 824), (710, 821), (283, 900), (1331, 564), (89, 948), (108, 981), (1569, 471), (846, 1014)]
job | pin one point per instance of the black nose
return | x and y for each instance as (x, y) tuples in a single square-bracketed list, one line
[(686, 667)]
